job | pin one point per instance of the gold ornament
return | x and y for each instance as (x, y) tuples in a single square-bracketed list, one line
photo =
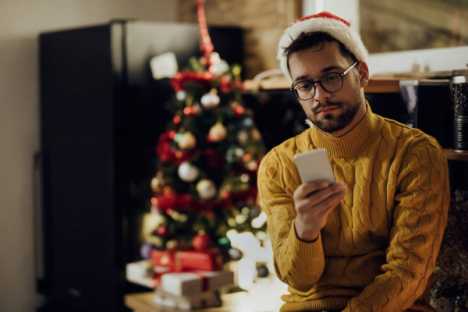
[(157, 182), (206, 189), (217, 133), (256, 135), (186, 140), (156, 185), (242, 137), (252, 165)]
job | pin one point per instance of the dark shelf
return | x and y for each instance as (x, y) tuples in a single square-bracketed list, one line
[(456, 154)]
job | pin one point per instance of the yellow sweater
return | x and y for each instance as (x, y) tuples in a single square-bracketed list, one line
[(379, 248)]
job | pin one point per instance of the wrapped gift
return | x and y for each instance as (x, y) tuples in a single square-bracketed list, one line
[(201, 300), (165, 258), (140, 273), (185, 283), (199, 260), (178, 261)]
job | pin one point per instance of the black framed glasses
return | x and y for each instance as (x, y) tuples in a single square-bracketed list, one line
[(331, 82)]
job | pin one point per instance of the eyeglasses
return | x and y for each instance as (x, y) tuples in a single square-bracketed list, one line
[(330, 82)]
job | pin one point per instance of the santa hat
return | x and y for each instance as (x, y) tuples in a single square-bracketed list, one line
[(326, 22)]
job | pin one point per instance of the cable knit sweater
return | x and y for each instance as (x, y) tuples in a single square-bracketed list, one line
[(379, 248)]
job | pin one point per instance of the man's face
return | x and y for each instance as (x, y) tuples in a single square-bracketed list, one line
[(328, 111)]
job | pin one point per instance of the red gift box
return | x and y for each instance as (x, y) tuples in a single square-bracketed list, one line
[(199, 260), (178, 261)]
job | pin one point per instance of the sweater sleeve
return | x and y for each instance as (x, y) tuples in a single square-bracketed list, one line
[(419, 219), (298, 263)]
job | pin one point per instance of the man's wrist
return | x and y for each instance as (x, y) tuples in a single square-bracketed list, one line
[(307, 238)]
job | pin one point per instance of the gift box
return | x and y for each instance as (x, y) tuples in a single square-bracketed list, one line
[(199, 260), (165, 258), (178, 261), (202, 300), (140, 273), (190, 283)]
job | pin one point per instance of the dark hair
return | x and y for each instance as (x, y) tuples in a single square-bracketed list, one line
[(316, 39)]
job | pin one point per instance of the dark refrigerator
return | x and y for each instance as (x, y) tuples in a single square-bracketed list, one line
[(101, 113)]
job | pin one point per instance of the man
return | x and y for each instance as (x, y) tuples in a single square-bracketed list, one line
[(368, 242)]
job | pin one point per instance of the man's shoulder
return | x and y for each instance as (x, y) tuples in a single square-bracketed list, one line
[(406, 136)]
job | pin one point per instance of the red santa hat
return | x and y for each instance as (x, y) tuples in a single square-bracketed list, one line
[(326, 22)]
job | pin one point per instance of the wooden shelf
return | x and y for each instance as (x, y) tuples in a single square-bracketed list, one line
[(456, 154), (377, 85)]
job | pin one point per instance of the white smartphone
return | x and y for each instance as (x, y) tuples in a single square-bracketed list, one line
[(314, 165)]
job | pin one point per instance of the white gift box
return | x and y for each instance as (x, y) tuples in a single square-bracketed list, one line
[(190, 283), (140, 273), (200, 300)]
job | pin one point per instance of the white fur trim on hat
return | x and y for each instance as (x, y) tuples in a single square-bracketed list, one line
[(325, 22)]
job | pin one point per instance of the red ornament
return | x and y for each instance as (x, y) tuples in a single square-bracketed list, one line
[(161, 231), (201, 242), (225, 84), (189, 111), (176, 120), (238, 109)]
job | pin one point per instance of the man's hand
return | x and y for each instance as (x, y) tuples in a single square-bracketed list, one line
[(314, 201)]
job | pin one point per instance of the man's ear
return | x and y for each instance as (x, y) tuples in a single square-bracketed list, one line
[(363, 74)]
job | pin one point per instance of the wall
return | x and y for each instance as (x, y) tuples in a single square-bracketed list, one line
[(21, 22)]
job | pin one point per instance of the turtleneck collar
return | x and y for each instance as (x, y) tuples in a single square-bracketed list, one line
[(351, 143)]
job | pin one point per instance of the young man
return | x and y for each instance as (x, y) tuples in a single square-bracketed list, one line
[(370, 241)]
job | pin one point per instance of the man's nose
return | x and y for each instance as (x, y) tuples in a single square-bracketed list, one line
[(320, 93)]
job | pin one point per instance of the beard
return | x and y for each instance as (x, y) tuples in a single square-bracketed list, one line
[(334, 120)]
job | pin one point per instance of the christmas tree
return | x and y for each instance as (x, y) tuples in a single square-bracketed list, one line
[(207, 160)]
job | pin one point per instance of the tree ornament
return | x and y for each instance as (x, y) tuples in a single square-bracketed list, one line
[(256, 135), (187, 172), (252, 165), (172, 244), (201, 242), (233, 154), (243, 137), (224, 242), (181, 95), (245, 178), (262, 270), (176, 120), (235, 254), (238, 109), (161, 230), (186, 140), (218, 65), (210, 100), (247, 122), (246, 157), (206, 189), (191, 110), (156, 184), (240, 218), (217, 133)]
